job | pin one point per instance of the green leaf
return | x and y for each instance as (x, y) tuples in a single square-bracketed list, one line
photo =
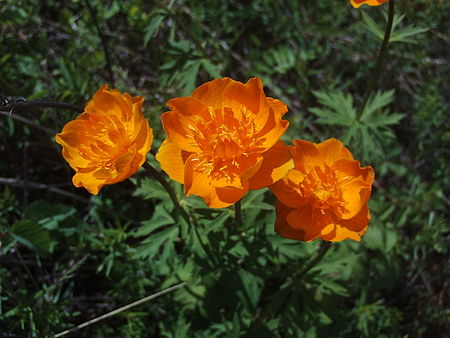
[(31, 234), (160, 218), (340, 108), (149, 188), (371, 25), (250, 291), (380, 238), (152, 28), (327, 284), (189, 78), (400, 35), (213, 70), (376, 102), (49, 215), (151, 245)]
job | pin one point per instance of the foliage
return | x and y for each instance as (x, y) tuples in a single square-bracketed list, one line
[(67, 257)]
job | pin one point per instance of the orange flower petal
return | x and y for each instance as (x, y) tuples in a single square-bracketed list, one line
[(353, 228), (356, 185), (305, 155), (228, 197), (233, 94), (357, 3), (333, 150), (181, 124), (200, 184), (92, 183), (249, 96), (253, 164), (212, 93), (358, 223), (279, 108), (283, 228), (303, 218), (272, 131), (171, 160), (346, 170), (287, 189), (275, 165)]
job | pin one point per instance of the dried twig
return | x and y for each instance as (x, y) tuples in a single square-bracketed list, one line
[(121, 309), (33, 104), (49, 187)]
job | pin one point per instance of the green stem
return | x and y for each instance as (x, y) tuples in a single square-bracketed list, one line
[(381, 53), (153, 172), (173, 196), (103, 41), (237, 214), (324, 247)]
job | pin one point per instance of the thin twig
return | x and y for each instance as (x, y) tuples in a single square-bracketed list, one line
[(29, 122), (20, 183), (33, 104), (121, 309), (33, 280)]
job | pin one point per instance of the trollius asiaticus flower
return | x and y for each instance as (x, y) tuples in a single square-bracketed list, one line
[(224, 140), (108, 142), (357, 3), (325, 195)]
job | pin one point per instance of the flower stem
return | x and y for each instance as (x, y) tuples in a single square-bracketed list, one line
[(237, 214), (324, 247), (173, 196), (153, 172), (381, 53)]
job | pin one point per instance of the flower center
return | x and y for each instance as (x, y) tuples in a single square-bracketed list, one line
[(225, 140), (321, 188), (105, 140)]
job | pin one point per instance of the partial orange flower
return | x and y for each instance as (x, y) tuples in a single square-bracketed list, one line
[(325, 195), (108, 142), (224, 140), (357, 3)]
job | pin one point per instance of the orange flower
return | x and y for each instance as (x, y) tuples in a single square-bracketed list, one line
[(108, 142), (357, 3), (223, 141), (325, 195)]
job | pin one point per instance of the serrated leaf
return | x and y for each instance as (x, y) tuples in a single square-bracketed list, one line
[(47, 214), (372, 26), (189, 78), (151, 189), (250, 291), (212, 69), (376, 102), (150, 247), (380, 238), (153, 26), (31, 234), (159, 219), (340, 108), (404, 34), (218, 222), (332, 286)]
